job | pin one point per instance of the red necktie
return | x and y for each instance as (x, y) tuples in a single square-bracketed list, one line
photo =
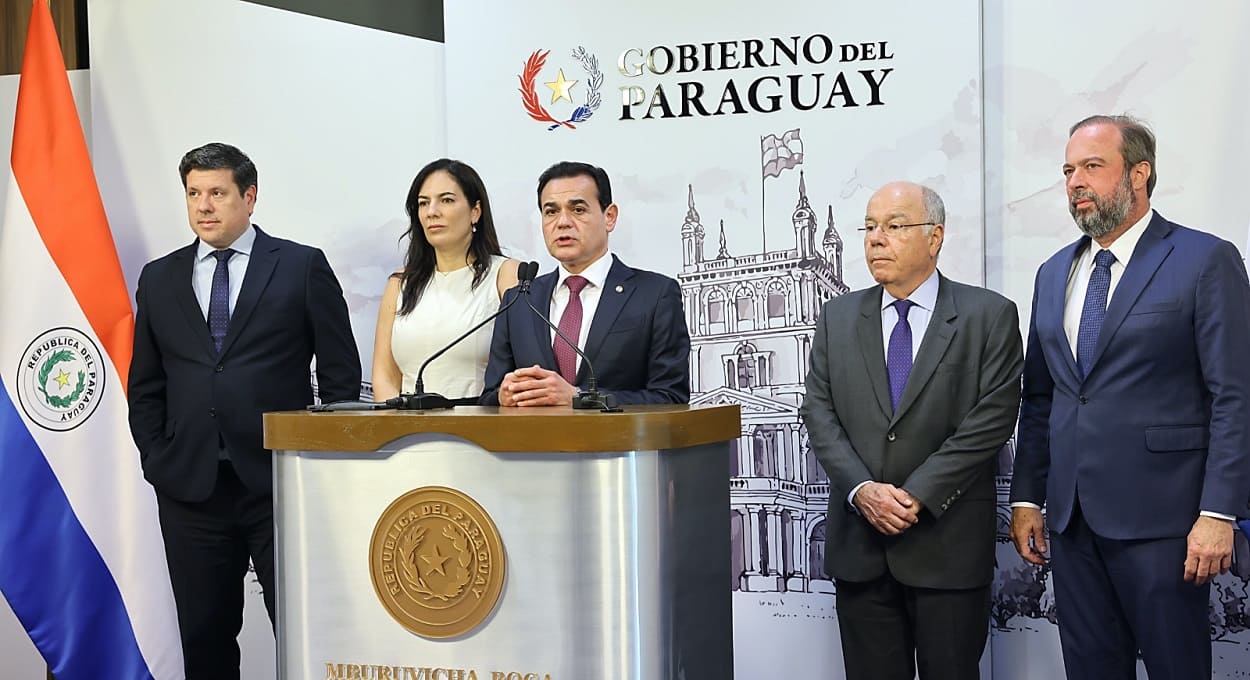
[(570, 326)]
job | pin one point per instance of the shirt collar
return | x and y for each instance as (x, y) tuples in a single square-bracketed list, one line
[(243, 244), (1124, 246), (596, 274), (924, 297)]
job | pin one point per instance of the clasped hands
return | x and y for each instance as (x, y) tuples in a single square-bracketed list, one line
[(889, 509), (535, 386)]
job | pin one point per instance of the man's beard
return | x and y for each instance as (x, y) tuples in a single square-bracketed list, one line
[(1107, 213)]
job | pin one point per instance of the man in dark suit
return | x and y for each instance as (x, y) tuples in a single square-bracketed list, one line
[(1133, 428), (914, 386), (629, 322), (226, 329)]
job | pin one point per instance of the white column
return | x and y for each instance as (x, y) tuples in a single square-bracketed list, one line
[(751, 538), (774, 541)]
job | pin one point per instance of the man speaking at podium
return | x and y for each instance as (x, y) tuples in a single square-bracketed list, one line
[(628, 322)]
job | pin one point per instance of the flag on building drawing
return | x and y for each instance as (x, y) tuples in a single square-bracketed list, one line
[(83, 563), (781, 153)]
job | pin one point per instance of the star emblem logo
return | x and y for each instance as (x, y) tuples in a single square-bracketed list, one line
[(560, 87), (436, 561)]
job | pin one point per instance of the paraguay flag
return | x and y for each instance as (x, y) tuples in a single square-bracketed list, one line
[(81, 558)]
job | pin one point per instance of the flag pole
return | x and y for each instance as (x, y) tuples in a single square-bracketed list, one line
[(763, 217)]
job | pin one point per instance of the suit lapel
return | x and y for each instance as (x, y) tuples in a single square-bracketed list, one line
[(260, 266), (868, 328), (610, 305), (541, 291), (1055, 286), (184, 294), (1150, 252), (937, 338)]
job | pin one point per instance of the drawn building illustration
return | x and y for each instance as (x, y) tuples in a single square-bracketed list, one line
[(752, 318)]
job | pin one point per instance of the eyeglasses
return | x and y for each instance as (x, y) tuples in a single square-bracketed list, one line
[(892, 229)]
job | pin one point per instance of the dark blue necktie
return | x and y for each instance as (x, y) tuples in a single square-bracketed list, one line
[(219, 298), (898, 356), (1094, 311)]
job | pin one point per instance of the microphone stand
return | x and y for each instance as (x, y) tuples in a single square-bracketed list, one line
[(424, 401), (591, 397)]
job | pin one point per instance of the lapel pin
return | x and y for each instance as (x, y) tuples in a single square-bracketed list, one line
[(620, 289)]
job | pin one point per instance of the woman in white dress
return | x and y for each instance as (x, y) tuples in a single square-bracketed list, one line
[(453, 277)]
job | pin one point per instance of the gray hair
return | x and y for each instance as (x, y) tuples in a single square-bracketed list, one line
[(934, 209), (1137, 143)]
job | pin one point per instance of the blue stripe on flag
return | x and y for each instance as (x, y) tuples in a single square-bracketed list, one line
[(51, 573)]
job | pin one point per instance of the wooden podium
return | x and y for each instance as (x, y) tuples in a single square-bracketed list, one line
[(504, 543)]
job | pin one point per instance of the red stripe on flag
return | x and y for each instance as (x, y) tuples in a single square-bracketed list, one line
[(53, 169)]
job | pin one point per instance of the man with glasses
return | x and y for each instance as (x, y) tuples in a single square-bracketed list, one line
[(914, 386)]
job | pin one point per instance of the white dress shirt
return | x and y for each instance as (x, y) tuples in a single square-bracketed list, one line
[(924, 299), (596, 275), (1083, 268), (206, 264)]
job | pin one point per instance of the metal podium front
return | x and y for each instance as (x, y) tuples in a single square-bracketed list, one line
[(504, 544)]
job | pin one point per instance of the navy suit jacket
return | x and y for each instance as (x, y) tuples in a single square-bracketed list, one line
[(184, 395), (638, 340), (1159, 428)]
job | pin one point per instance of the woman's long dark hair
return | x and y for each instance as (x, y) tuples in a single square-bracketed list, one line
[(419, 263)]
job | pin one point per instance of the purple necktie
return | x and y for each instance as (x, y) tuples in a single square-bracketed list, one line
[(219, 298), (571, 326), (1094, 311), (898, 356)]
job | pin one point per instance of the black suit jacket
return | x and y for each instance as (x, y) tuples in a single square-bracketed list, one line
[(183, 395), (958, 409), (638, 340)]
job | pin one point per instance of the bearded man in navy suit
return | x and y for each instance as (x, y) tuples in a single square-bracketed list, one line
[(629, 322), (226, 330), (1135, 421)]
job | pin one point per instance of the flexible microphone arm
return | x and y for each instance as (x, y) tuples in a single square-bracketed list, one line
[(420, 400), (591, 397)]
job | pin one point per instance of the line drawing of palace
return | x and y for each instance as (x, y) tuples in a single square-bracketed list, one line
[(751, 319)]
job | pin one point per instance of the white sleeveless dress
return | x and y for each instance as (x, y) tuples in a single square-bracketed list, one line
[(448, 308)]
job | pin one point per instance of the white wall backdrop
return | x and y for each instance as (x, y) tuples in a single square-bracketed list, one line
[(339, 118)]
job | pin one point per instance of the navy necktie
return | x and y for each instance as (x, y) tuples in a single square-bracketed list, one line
[(219, 298), (898, 356), (1094, 311)]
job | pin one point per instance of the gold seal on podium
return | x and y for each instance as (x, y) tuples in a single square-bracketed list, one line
[(437, 562)]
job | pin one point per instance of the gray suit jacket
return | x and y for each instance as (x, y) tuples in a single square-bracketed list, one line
[(959, 407)]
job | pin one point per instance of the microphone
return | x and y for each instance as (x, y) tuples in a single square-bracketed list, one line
[(590, 397), (422, 400), (349, 405)]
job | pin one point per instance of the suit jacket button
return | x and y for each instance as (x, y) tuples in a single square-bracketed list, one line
[(890, 437), (212, 413), (1083, 399), (220, 368)]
